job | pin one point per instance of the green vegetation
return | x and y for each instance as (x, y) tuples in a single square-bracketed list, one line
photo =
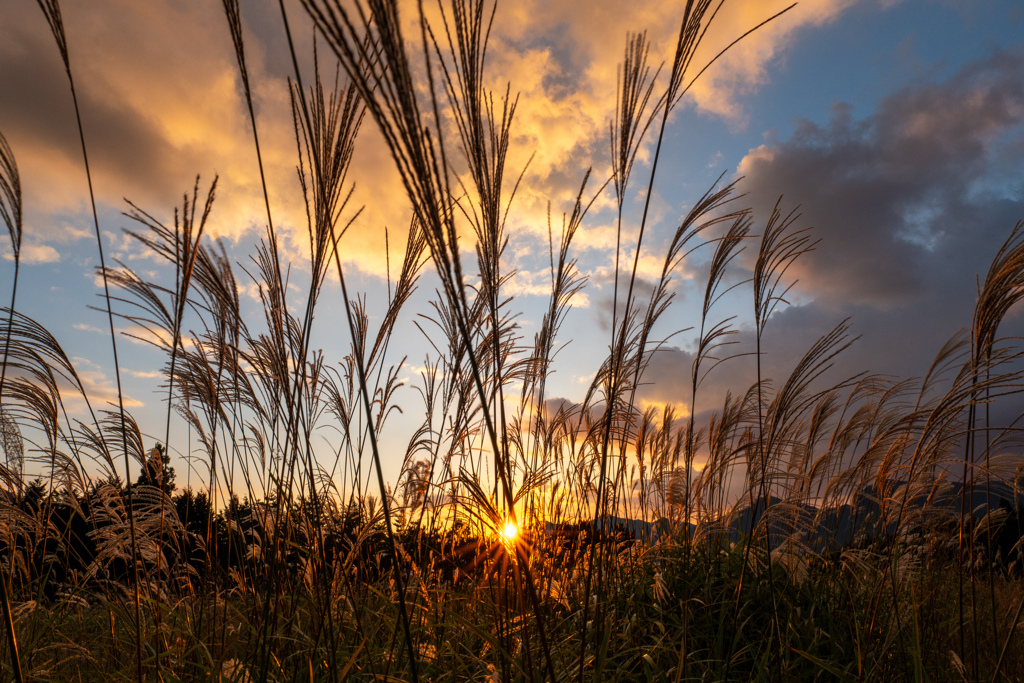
[(812, 529)]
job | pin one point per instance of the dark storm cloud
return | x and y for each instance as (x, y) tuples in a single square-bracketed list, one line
[(911, 204), (897, 195)]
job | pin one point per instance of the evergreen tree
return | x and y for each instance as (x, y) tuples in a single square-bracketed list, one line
[(158, 471)]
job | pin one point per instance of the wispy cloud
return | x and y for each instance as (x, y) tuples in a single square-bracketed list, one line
[(145, 374), (98, 386), (34, 254)]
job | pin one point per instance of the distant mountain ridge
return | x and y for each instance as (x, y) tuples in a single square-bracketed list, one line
[(832, 528), (839, 526)]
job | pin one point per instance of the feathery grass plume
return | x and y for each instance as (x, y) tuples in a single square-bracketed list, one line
[(285, 336), (783, 420), (232, 12), (697, 19), (693, 27), (566, 283), (931, 420), (180, 247), (626, 135), (709, 488), (1003, 288), (632, 350), (10, 211), (325, 131), (373, 52), (42, 374), (359, 361), (484, 140), (52, 13), (780, 247), (314, 119), (632, 117), (710, 342), (268, 262), (10, 197), (14, 448)]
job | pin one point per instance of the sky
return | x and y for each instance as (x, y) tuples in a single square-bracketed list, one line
[(895, 127)]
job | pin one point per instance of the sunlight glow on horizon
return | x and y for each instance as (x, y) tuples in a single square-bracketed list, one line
[(510, 532)]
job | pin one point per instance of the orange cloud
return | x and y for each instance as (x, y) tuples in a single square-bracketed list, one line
[(161, 102)]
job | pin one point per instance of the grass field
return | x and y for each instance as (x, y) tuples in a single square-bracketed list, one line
[(863, 528)]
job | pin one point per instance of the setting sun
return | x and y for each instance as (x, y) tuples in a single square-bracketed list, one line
[(510, 532)]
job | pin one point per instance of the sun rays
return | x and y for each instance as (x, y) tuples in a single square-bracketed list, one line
[(509, 533)]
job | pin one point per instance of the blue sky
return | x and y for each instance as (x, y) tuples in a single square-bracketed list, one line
[(897, 126)]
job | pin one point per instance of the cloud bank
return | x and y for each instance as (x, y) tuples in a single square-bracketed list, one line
[(161, 102), (911, 204)]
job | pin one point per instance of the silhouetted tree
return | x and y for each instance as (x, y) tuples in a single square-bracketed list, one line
[(158, 471)]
